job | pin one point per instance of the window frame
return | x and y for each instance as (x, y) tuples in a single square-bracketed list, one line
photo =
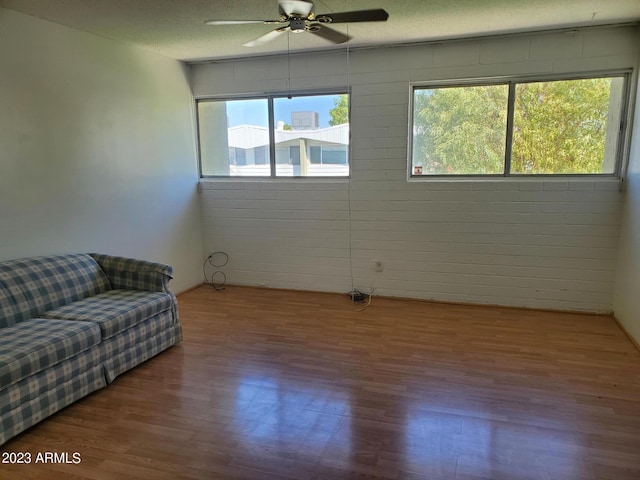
[(512, 82), (271, 150)]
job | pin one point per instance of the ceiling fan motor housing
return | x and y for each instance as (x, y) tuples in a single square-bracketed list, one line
[(297, 25)]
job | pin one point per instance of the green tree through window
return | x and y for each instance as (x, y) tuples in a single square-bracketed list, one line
[(340, 112), (460, 130), (559, 127)]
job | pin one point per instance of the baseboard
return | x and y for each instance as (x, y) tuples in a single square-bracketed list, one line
[(441, 302), (626, 332), (190, 289)]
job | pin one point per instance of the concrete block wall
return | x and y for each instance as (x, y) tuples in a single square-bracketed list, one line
[(545, 243)]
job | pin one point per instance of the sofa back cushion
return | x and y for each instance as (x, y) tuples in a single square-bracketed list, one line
[(38, 284), (7, 306)]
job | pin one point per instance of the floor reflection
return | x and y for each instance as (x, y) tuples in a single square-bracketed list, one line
[(446, 445), (292, 416)]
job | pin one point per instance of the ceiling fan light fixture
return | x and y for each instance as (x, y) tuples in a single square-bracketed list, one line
[(295, 8)]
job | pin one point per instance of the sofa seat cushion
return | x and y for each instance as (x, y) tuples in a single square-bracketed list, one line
[(116, 310), (29, 347)]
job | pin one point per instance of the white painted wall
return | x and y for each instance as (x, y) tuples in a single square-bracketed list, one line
[(96, 149), (627, 298), (533, 243)]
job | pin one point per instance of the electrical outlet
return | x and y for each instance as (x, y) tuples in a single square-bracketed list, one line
[(377, 266)]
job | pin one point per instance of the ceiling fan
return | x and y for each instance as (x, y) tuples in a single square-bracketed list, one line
[(298, 16)]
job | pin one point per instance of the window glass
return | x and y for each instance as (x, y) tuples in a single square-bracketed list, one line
[(311, 135), (305, 128), (566, 127), (459, 130), (558, 127), (234, 136)]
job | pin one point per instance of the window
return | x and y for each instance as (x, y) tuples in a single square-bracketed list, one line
[(301, 136), (556, 127)]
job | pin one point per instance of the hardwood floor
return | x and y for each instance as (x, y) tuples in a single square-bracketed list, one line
[(284, 385)]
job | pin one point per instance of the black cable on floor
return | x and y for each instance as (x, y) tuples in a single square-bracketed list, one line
[(217, 279)]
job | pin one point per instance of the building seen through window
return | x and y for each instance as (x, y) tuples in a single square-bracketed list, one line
[(235, 139)]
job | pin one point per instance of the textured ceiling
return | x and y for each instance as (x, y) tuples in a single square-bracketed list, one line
[(176, 29)]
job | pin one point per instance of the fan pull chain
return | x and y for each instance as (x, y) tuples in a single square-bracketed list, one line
[(289, 61)]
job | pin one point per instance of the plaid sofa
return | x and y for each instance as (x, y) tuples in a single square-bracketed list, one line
[(70, 324)]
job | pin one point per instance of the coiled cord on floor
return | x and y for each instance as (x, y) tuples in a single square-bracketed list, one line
[(217, 279)]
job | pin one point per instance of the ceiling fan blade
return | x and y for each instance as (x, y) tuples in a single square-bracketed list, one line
[(296, 8), (241, 22), (266, 38), (231, 22), (375, 15), (330, 34)]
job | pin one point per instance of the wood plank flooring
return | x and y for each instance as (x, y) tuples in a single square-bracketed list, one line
[(288, 385)]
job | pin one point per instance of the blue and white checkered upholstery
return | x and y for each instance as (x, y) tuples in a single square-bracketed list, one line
[(98, 317), (38, 384), (115, 310), (7, 306), (38, 284), (135, 355), (31, 346), (40, 407), (131, 274), (137, 334)]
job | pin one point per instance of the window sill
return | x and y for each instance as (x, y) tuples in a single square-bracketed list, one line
[(273, 179), (515, 178)]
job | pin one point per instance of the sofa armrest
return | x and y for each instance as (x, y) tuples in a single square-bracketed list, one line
[(132, 274)]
